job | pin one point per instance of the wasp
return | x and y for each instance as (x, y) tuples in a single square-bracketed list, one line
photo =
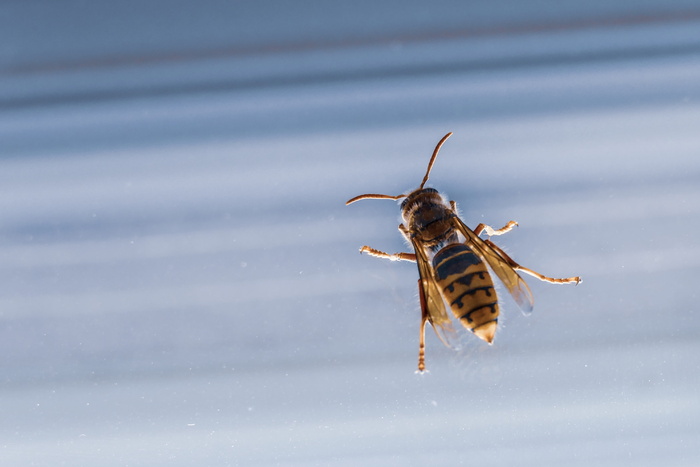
[(452, 264)]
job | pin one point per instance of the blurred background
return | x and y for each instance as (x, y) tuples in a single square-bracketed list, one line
[(180, 281)]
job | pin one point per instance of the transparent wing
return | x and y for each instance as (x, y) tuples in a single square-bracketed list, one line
[(500, 265), (431, 300)]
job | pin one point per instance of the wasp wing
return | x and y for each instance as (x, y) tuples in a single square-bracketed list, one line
[(431, 300), (515, 284)]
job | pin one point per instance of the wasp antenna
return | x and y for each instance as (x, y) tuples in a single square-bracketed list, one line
[(432, 159), (372, 196)]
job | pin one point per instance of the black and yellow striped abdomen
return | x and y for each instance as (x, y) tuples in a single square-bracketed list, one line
[(467, 286)]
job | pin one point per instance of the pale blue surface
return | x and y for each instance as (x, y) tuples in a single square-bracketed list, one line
[(180, 276)]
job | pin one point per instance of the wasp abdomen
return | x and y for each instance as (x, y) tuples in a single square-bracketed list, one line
[(468, 288)]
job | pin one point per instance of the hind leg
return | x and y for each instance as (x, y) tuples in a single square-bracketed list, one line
[(421, 331), (514, 265)]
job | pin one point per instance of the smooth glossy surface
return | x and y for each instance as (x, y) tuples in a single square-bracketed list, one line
[(179, 276)]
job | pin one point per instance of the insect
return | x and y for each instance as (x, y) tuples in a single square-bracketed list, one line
[(452, 265)]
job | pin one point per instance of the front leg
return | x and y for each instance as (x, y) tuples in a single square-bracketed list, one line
[(391, 257), (395, 256), (490, 231)]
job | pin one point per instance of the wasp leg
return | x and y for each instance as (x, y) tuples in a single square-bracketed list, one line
[(421, 332), (490, 231), (395, 257), (514, 265)]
